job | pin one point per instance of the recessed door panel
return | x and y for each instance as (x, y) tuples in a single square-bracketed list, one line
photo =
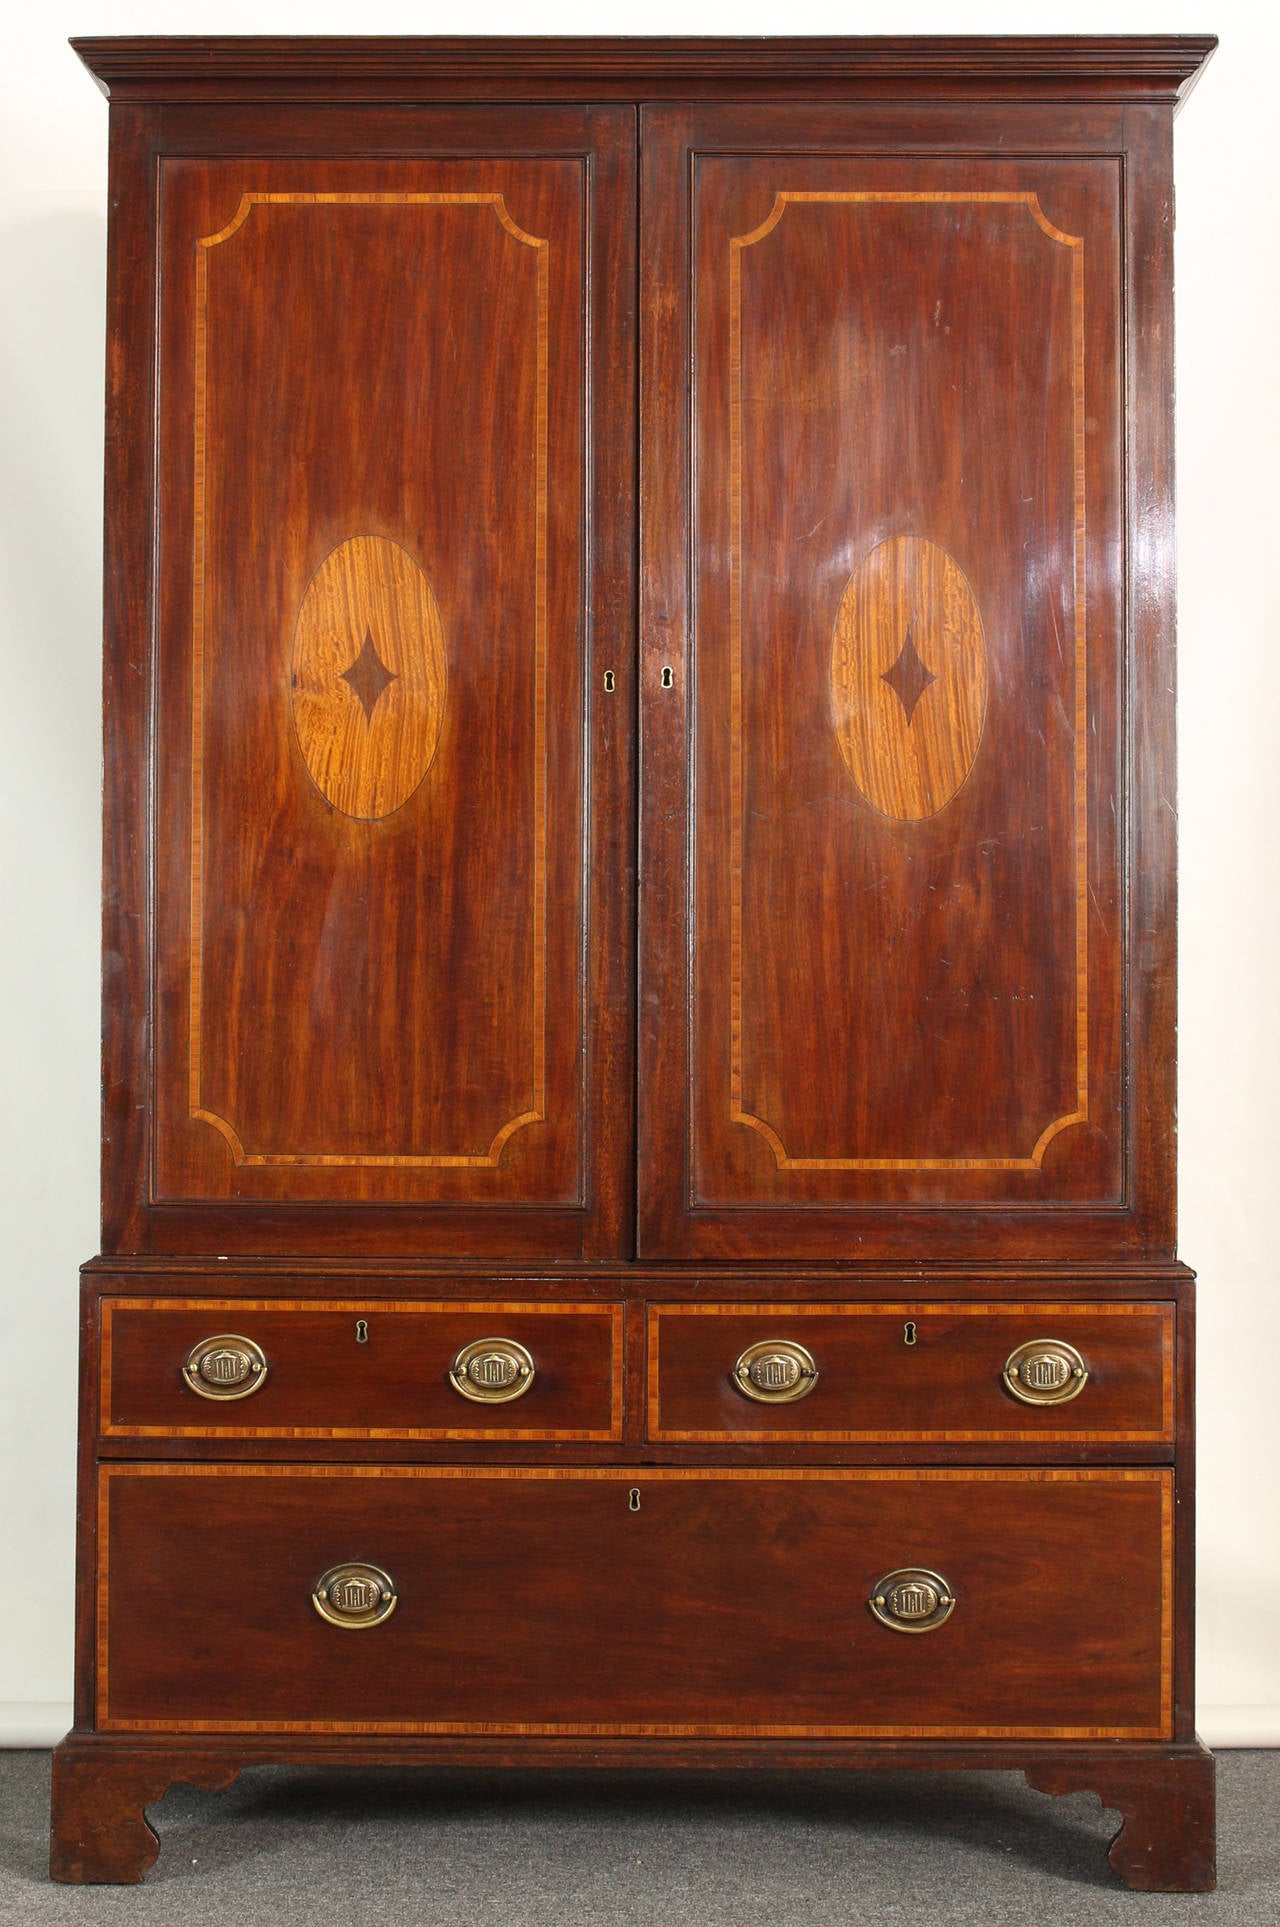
[(900, 754), (376, 695)]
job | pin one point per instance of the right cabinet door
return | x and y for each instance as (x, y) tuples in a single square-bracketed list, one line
[(893, 981)]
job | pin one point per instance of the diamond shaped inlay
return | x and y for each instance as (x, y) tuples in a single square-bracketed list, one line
[(369, 676), (908, 757), (909, 677), (369, 600)]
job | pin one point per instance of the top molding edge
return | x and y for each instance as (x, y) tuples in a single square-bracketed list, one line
[(227, 67)]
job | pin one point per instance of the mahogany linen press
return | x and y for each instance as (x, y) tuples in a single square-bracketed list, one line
[(638, 1104)]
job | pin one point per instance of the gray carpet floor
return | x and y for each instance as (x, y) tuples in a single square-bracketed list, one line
[(313, 1847)]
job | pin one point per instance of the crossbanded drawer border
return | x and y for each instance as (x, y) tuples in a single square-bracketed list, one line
[(490, 1307), (1160, 1476), (1041, 1309)]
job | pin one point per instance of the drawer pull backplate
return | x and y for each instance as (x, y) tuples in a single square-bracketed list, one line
[(912, 1600), (492, 1370), (225, 1367), (354, 1595), (1045, 1371), (776, 1371)]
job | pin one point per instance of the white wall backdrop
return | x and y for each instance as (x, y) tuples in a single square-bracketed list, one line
[(53, 129)]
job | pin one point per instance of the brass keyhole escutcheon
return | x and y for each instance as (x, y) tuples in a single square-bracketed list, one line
[(362, 1331), (610, 682), (668, 679), (354, 1595), (1045, 1371), (909, 1332), (633, 1499), (224, 1367), (492, 1371), (912, 1599), (775, 1371)]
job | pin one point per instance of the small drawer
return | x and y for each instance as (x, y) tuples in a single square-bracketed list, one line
[(641, 1600), (359, 1369), (1101, 1374)]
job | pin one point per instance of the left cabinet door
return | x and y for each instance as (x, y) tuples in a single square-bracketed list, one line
[(367, 772)]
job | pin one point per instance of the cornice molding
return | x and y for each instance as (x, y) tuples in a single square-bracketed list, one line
[(254, 67)]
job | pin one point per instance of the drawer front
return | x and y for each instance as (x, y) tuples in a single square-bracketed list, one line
[(911, 1373), (360, 1369), (642, 1601)]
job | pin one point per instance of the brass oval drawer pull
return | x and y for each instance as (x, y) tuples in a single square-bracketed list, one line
[(912, 1599), (1045, 1371), (776, 1371), (225, 1367), (492, 1370), (354, 1595)]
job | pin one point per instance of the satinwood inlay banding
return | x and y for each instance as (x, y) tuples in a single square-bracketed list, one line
[(740, 1107), (364, 791)]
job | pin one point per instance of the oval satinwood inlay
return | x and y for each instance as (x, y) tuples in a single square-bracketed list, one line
[(908, 678), (369, 676)]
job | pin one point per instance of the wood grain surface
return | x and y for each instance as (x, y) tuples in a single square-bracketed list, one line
[(326, 1063), (908, 732), (397, 1006), (327, 1380), (260, 67), (917, 428), (914, 1372), (879, 1013), (368, 711), (637, 1599)]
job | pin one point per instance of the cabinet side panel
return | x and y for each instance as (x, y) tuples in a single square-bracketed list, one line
[(1152, 910), (127, 592)]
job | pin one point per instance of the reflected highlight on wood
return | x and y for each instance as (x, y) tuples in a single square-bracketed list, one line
[(369, 683), (908, 678), (536, 1600), (369, 677), (897, 609)]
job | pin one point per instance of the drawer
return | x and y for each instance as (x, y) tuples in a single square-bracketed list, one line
[(635, 1601), (910, 1373), (359, 1369)]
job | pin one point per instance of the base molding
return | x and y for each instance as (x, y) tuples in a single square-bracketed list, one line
[(40, 1724), (102, 1786)]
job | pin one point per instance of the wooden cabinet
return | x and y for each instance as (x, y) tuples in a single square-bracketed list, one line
[(638, 1081)]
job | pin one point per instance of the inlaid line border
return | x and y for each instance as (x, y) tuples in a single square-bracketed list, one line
[(738, 1114), (490, 1309), (489, 1159), (778, 1315), (1047, 1475)]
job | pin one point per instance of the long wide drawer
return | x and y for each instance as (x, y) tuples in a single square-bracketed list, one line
[(360, 1369), (642, 1600), (924, 1372)]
